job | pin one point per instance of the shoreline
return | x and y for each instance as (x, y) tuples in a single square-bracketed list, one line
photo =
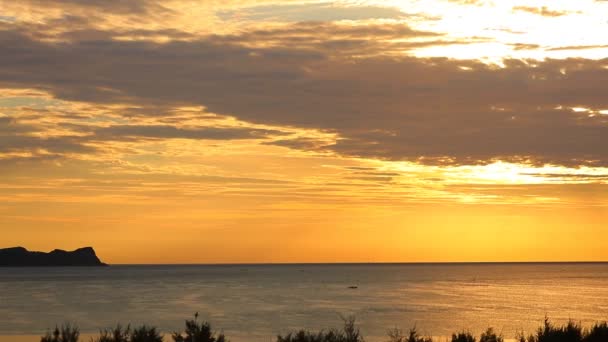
[(86, 337), (350, 332)]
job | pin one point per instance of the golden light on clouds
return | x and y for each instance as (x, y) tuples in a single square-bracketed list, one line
[(305, 131)]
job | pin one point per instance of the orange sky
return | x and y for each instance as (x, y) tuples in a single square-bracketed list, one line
[(305, 131)]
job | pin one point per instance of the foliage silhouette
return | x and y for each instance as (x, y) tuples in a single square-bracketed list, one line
[(202, 332), (599, 332), (490, 336), (146, 334), (67, 333), (118, 334), (464, 336), (396, 335), (198, 332), (349, 333), (549, 332)]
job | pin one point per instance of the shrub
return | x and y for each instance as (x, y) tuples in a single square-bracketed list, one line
[(521, 337), (118, 334), (196, 332), (67, 333), (146, 334), (305, 336), (396, 335), (349, 333), (599, 332), (463, 337), (571, 332), (490, 336)]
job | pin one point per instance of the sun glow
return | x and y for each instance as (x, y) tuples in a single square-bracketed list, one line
[(512, 29), (286, 131)]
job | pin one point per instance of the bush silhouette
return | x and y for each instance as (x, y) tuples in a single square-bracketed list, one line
[(349, 333), (463, 337), (599, 332), (118, 334), (490, 336), (146, 334), (67, 333), (196, 332), (521, 337), (570, 332), (396, 335), (202, 332)]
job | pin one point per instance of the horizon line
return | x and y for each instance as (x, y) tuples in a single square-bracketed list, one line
[(360, 263)]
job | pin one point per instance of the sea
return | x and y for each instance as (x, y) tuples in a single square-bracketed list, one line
[(258, 302)]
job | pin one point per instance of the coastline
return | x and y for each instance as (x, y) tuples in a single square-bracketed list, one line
[(86, 337)]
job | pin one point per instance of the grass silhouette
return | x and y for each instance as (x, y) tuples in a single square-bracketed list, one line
[(490, 336), (599, 332), (396, 335), (118, 334), (463, 336), (198, 332), (65, 333), (350, 332), (145, 334)]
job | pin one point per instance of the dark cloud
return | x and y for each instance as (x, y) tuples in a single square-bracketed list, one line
[(16, 137), (136, 7), (22, 138), (433, 111), (122, 132), (309, 144), (348, 40)]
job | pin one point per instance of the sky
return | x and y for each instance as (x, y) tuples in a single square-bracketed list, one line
[(274, 131)]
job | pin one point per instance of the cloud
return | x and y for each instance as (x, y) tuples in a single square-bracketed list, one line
[(16, 138), (125, 132), (523, 46), (379, 104), (132, 7), (577, 47), (312, 12), (542, 11), (472, 2), (571, 177), (300, 143)]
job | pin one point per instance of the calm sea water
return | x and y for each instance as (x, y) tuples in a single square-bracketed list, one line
[(254, 303)]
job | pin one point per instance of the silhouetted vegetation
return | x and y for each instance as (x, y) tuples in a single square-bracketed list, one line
[(464, 336), (350, 332), (490, 336), (599, 332), (396, 335), (198, 332), (146, 334), (118, 334), (67, 333), (570, 332)]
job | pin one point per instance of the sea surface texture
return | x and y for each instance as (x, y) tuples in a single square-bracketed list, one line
[(255, 303)]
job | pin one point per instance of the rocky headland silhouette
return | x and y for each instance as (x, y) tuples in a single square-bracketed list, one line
[(21, 257)]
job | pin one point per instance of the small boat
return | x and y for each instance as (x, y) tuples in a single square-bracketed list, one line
[(353, 287)]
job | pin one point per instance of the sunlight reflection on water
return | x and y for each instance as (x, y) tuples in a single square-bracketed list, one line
[(255, 303)]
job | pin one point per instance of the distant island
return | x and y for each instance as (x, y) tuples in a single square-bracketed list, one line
[(21, 257)]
